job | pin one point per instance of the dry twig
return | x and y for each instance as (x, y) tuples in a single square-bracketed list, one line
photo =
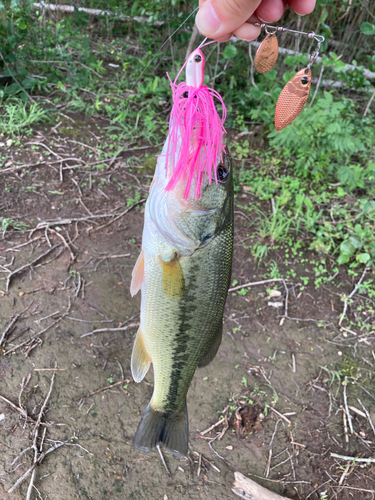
[(246, 285), (209, 429), (118, 329), (29, 264), (84, 396), (350, 296), (120, 215), (367, 415), (346, 407), (38, 334), (8, 328), (353, 459), (163, 460)]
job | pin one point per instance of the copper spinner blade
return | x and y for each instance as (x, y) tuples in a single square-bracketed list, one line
[(267, 54), (292, 99)]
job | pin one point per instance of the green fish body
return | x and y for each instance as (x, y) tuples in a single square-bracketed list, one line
[(184, 272)]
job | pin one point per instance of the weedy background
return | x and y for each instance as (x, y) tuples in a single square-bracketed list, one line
[(84, 111)]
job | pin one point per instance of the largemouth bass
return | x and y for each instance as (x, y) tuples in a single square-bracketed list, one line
[(185, 264), (184, 272)]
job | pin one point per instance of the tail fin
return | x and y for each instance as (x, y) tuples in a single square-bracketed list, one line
[(156, 427)]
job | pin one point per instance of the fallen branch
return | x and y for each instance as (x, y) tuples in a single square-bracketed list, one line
[(246, 285), (29, 264), (280, 415), (351, 295), (84, 396), (120, 215), (346, 407), (250, 490), (8, 328), (93, 12), (219, 422), (35, 438), (353, 459), (367, 415), (38, 334), (118, 329)]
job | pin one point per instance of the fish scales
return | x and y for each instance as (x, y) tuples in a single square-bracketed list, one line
[(175, 325)]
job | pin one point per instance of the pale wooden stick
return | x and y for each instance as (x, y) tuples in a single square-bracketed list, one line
[(250, 490)]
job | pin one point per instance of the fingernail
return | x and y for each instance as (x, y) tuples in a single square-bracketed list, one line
[(298, 14), (207, 20)]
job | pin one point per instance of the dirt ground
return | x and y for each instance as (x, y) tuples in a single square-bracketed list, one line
[(283, 381)]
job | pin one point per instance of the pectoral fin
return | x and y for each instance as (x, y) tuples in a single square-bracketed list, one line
[(140, 362), (212, 351), (173, 278), (138, 275)]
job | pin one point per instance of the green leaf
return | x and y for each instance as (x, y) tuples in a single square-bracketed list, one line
[(22, 25), (229, 52), (343, 259), (287, 76), (271, 75), (363, 258), (346, 249), (326, 30), (367, 28)]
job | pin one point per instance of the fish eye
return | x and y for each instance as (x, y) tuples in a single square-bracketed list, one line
[(197, 58), (304, 80), (222, 173)]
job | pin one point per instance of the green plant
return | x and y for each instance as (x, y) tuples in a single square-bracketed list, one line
[(8, 224), (19, 116)]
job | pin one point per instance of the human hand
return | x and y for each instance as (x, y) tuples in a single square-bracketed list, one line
[(220, 19)]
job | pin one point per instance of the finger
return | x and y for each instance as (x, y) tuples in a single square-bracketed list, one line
[(270, 11), (254, 19), (302, 7), (217, 18), (247, 32)]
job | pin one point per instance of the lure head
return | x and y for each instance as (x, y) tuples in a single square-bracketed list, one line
[(195, 141), (195, 69)]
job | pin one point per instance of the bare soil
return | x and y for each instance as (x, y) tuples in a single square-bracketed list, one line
[(278, 382)]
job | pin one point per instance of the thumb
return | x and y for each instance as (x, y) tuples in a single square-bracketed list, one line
[(217, 19)]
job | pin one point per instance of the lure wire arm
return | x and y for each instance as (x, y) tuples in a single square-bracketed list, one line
[(319, 38), (312, 35), (204, 41)]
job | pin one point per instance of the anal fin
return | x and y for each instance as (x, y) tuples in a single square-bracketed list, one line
[(138, 275), (212, 351), (141, 360)]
